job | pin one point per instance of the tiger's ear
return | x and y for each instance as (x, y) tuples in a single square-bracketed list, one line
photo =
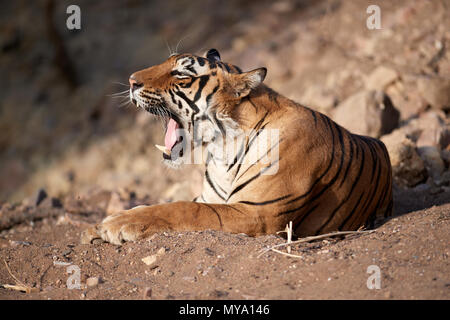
[(212, 54), (244, 82)]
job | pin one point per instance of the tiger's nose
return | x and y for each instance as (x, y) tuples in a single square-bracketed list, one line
[(134, 84)]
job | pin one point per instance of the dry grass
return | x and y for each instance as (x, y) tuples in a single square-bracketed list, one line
[(19, 286), (289, 241)]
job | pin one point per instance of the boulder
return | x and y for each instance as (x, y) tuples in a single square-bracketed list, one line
[(434, 164), (369, 113), (319, 99), (408, 168), (436, 91), (380, 78)]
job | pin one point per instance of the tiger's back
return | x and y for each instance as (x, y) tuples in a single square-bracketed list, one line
[(328, 179)]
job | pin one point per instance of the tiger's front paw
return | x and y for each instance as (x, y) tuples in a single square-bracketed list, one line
[(116, 229)]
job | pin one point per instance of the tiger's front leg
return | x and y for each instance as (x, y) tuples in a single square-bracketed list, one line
[(143, 221)]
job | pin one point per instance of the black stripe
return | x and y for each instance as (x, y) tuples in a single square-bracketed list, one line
[(172, 96), (358, 176), (217, 214), (314, 116), (238, 155), (178, 73), (227, 67), (351, 212), (203, 81), (372, 151), (370, 195), (212, 185), (265, 202), (298, 223), (256, 129), (376, 165), (236, 209), (257, 161), (201, 61), (219, 125), (350, 161), (241, 186), (372, 216), (188, 101), (377, 183), (208, 97)]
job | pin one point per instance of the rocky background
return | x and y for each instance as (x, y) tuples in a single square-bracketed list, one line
[(62, 131), (69, 145)]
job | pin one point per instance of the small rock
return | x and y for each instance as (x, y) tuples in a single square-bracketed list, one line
[(445, 155), (41, 195), (150, 259), (435, 190), (430, 129), (15, 243), (423, 187), (93, 281), (147, 293), (369, 113), (56, 203), (436, 91), (98, 241), (432, 157), (190, 279), (444, 179), (408, 169), (67, 252), (219, 294), (380, 78)]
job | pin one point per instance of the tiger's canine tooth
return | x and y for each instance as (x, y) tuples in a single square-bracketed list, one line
[(163, 149)]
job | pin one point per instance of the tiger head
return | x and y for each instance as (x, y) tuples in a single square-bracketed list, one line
[(195, 95)]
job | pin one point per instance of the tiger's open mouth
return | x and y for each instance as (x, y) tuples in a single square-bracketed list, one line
[(173, 140)]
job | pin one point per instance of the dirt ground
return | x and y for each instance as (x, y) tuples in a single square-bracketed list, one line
[(411, 251)]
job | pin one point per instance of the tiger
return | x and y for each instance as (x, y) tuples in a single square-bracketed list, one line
[(323, 179)]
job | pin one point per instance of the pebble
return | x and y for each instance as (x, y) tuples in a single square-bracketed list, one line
[(149, 260), (41, 195), (152, 259), (93, 281), (147, 293), (17, 243), (190, 279)]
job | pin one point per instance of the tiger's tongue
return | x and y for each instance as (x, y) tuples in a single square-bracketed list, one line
[(171, 134)]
